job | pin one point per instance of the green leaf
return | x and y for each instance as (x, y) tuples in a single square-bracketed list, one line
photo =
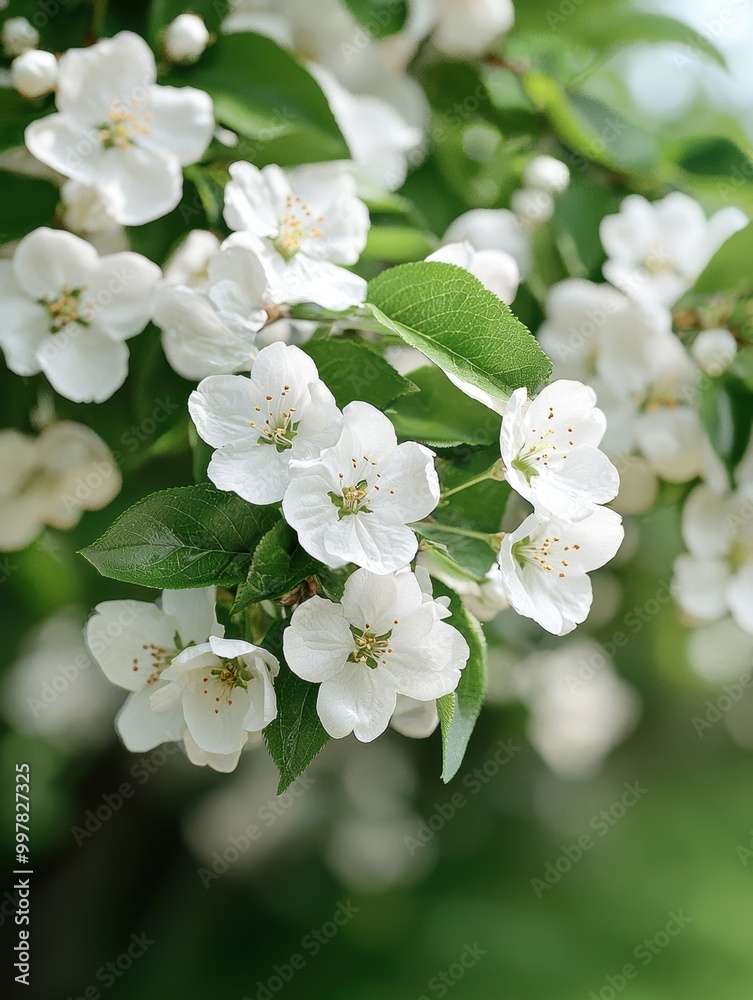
[(729, 270), (192, 536), (457, 723), (27, 202), (447, 313), (379, 17), (715, 156), (278, 564), (296, 736), (332, 582), (725, 414), (353, 371), (441, 415), (262, 92), (15, 114)]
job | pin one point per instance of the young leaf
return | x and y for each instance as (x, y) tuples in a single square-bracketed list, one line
[(279, 563), (441, 415), (379, 17), (446, 313), (457, 724), (729, 269), (296, 736), (192, 536), (352, 371)]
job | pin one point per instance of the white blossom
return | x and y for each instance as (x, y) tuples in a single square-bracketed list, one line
[(548, 174), (185, 39), (532, 206), (34, 73), (51, 480), (67, 312), (118, 131), (495, 269), (550, 448), (417, 719), (384, 639), (258, 425), (545, 563), (303, 223), (18, 36), (189, 263), (355, 502), (493, 229), (86, 211), (714, 351), (468, 28)]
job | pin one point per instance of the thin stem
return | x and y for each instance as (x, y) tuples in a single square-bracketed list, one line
[(353, 320), (452, 530), (497, 472)]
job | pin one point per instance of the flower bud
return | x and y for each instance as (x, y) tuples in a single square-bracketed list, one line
[(548, 174), (185, 39), (714, 351), (532, 206), (18, 36), (34, 73)]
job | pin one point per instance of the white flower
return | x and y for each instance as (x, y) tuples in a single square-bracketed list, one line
[(714, 351), (417, 719), (716, 575), (386, 638), (545, 563), (532, 206), (657, 250), (52, 480), (260, 424), (468, 28), (189, 264), (18, 36), (34, 73), (353, 504), (594, 329), (118, 131), (67, 312), (185, 39), (303, 223), (495, 269), (493, 229), (483, 598), (214, 331), (85, 209), (548, 174), (550, 448), (224, 690), (134, 642)]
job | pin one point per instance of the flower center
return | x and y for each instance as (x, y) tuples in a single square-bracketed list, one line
[(296, 226), (541, 450), (657, 261), (67, 307), (542, 554), (123, 125), (280, 426), (229, 675), (351, 500), (369, 648)]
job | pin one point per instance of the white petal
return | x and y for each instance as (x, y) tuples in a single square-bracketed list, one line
[(359, 700), (195, 613), (141, 729), (318, 640), (121, 636), (48, 259), (123, 291), (182, 122), (83, 364)]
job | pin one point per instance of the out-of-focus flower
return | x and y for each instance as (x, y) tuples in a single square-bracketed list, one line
[(52, 480), (495, 269), (532, 206), (85, 209), (185, 39), (34, 73), (189, 264), (18, 36), (714, 351), (548, 174), (493, 229), (468, 28)]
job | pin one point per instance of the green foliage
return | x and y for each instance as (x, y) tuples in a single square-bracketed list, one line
[(279, 564), (726, 407), (27, 203), (296, 736), (729, 270), (379, 17), (446, 313), (192, 536), (353, 371)]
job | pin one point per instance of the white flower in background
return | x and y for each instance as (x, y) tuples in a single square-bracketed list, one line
[(51, 480), (189, 264), (54, 690), (386, 638), (532, 206), (18, 36), (303, 223), (468, 28), (656, 250), (493, 229), (260, 424), (550, 448), (118, 131), (547, 174), (416, 719), (380, 140), (495, 269), (715, 576), (185, 39), (580, 709), (67, 312), (213, 332), (354, 503), (593, 329), (134, 642), (34, 74), (85, 210), (224, 690), (483, 598), (714, 351), (545, 565)]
